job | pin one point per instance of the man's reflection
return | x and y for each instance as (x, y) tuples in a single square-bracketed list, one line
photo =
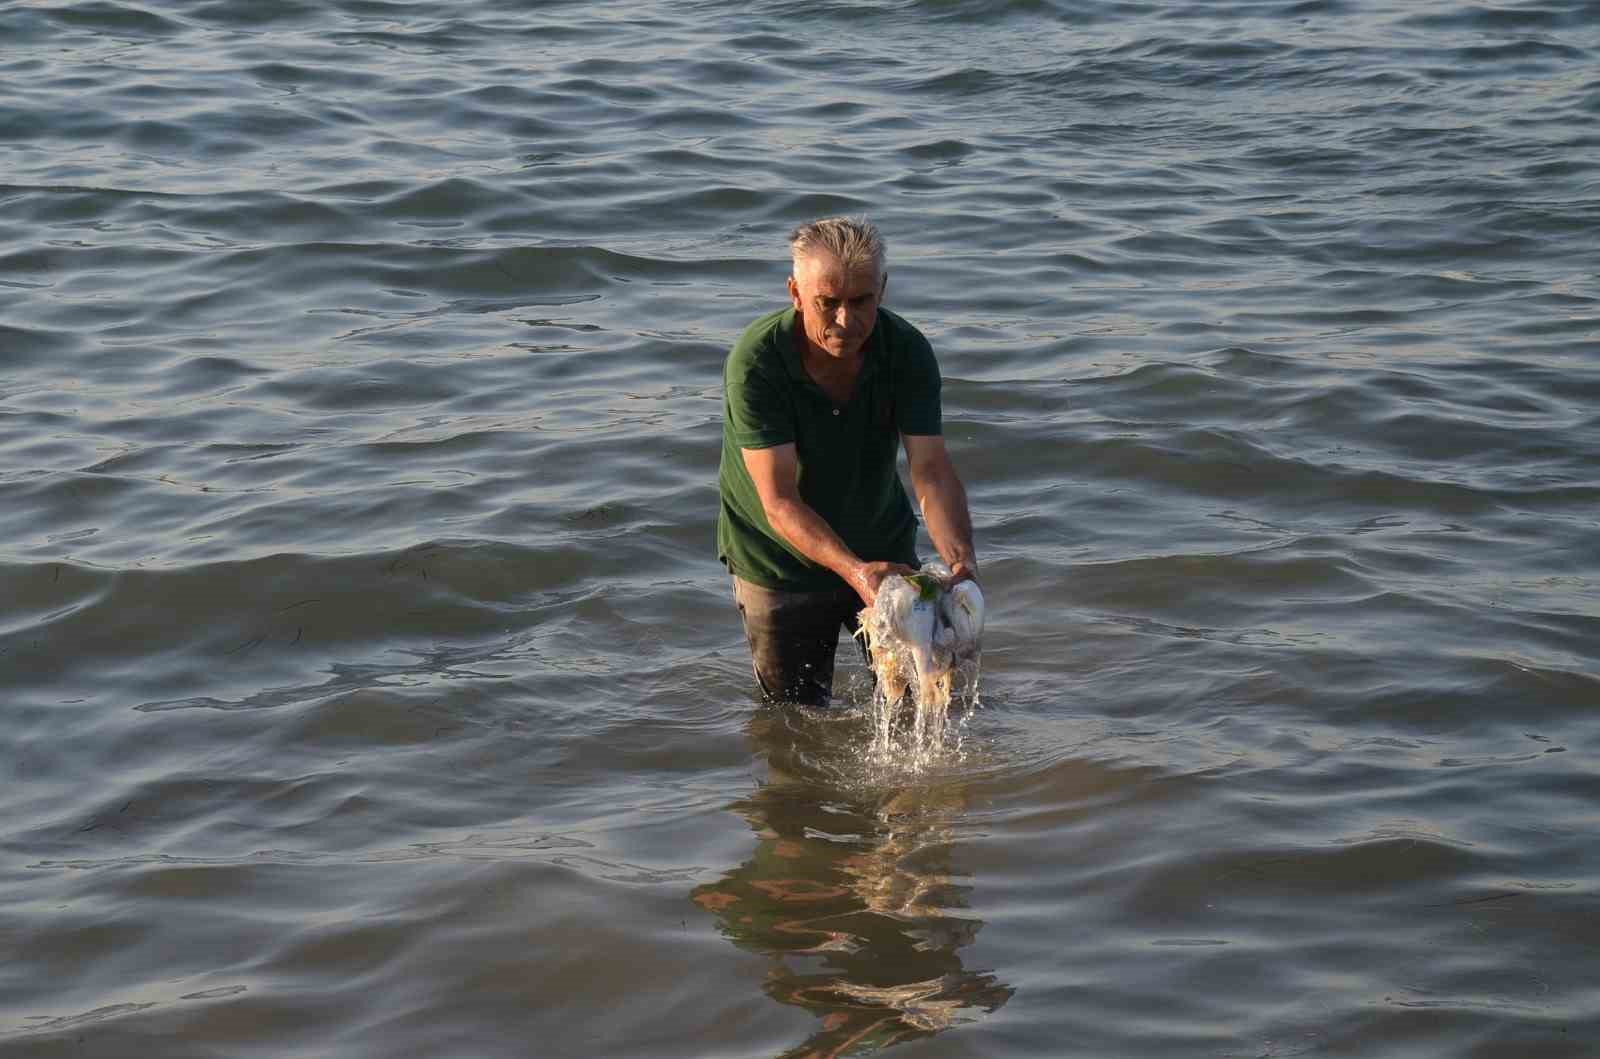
[(852, 890)]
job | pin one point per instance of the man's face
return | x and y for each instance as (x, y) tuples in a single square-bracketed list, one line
[(838, 307)]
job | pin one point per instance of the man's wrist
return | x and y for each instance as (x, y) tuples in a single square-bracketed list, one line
[(860, 575)]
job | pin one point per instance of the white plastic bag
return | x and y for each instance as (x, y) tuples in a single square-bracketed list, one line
[(917, 632)]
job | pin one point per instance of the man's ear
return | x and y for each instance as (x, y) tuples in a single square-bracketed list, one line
[(883, 286), (794, 293)]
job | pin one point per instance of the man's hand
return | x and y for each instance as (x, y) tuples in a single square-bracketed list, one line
[(867, 578), (962, 571)]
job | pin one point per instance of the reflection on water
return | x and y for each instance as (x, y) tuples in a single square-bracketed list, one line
[(853, 892)]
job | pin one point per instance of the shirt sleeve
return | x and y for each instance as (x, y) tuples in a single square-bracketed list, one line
[(760, 413), (917, 384)]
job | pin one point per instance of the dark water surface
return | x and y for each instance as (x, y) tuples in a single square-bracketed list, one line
[(371, 688)]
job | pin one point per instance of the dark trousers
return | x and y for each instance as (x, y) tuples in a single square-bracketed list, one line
[(793, 637)]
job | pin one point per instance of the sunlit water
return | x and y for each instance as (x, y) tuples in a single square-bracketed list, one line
[(370, 684)]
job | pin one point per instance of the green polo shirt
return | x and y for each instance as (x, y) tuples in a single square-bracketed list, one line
[(846, 454)]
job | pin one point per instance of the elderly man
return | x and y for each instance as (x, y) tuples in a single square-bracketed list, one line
[(818, 398)]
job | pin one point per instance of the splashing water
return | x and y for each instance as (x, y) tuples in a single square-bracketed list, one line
[(922, 640)]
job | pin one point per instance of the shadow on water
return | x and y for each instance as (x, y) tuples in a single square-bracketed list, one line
[(854, 892)]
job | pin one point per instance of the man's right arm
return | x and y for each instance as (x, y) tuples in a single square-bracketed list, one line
[(775, 473)]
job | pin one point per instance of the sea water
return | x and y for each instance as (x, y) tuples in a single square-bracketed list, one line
[(370, 685)]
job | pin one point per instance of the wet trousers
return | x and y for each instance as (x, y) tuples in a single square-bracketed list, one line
[(793, 638)]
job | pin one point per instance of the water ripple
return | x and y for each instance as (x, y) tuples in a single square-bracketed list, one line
[(372, 680)]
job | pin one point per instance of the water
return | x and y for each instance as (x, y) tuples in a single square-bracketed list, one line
[(371, 688)]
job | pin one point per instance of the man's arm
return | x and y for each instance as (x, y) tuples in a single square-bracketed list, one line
[(775, 473), (944, 503)]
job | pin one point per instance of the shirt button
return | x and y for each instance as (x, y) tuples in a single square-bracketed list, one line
[(835, 411)]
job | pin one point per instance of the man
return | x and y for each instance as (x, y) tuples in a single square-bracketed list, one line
[(818, 398)]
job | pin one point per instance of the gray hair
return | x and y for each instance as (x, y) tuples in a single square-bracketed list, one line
[(853, 242)]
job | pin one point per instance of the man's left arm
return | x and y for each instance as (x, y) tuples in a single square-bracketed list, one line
[(943, 501)]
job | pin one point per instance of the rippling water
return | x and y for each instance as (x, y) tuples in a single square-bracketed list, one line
[(371, 687)]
